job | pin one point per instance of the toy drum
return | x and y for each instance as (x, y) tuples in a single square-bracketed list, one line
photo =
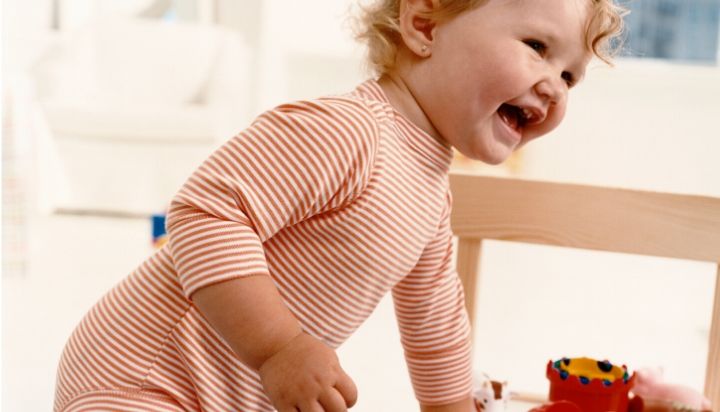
[(594, 386)]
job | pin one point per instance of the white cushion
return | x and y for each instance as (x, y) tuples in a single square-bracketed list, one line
[(135, 177), (132, 60), (186, 123)]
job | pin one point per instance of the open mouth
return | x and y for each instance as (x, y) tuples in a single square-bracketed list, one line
[(514, 116)]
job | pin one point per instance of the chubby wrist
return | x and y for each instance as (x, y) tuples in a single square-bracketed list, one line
[(277, 346)]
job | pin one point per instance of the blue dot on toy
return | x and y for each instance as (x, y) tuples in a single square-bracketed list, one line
[(607, 382), (563, 374), (584, 380)]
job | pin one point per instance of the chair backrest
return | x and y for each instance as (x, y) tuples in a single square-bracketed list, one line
[(587, 217)]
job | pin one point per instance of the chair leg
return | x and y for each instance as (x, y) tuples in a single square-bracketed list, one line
[(712, 374)]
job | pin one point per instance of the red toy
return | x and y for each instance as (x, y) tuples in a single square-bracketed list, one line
[(593, 386)]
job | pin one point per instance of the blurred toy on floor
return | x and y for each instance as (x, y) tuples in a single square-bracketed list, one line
[(591, 385), (653, 394), (490, 395)]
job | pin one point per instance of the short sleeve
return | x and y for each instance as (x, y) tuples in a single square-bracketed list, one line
[(434, 327), (292, 163)]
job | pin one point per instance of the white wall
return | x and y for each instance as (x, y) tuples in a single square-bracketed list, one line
[(642, 124), (25, 25), (317, 44)]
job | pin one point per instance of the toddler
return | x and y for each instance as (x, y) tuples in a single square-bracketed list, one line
[(286, 238)]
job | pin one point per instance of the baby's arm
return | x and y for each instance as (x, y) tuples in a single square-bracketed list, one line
[(294, 162), (296, 369), (434, 327)]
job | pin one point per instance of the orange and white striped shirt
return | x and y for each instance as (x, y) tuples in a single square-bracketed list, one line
[(339, 200)]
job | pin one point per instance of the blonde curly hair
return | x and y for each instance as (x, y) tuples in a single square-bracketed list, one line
[(378, 25)]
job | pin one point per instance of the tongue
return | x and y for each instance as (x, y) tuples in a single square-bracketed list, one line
[(509, 116)]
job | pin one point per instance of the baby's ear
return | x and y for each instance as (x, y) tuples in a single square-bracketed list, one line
[(416, 27)]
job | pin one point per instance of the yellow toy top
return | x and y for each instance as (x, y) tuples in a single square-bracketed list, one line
[(591, 369)]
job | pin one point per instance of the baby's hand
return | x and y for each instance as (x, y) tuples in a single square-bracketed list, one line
[(306, 376)]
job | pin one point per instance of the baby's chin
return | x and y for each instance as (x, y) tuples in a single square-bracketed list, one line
[(495, 152), (495, 161), (495, 156)]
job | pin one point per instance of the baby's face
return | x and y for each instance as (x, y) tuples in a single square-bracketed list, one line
[(499, 75)]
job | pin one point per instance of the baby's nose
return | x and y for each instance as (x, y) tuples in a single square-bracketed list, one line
[(552, 89)]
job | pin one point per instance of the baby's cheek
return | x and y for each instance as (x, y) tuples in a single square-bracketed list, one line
[(556, 114)]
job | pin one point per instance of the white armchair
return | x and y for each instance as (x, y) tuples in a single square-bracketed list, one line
[(132, 106)]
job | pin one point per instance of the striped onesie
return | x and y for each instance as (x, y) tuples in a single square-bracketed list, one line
[(339, 200)]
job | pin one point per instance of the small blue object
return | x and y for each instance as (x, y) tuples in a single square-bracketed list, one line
[(563, 374), (158, 227), (607, 382), (584, 380)]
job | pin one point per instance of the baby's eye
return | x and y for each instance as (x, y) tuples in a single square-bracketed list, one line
[(539, 47), (569, 78)]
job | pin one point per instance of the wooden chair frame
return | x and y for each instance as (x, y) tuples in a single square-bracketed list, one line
[(587, 217)]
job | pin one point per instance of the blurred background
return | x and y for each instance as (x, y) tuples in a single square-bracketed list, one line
[(108, 105)]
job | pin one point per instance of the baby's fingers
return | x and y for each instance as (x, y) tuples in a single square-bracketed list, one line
[(332, 401), (347, 389), (312, 406)]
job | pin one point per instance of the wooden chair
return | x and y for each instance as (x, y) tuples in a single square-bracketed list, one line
[(587, 217)]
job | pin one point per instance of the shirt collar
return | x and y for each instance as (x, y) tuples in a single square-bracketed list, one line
[(436, 151)]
